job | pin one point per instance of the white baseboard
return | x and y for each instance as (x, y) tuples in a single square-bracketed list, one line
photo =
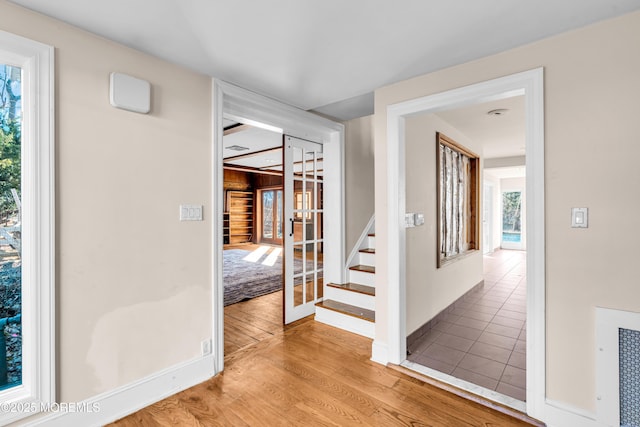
[(558, 414), (379, 352), (125, 400)]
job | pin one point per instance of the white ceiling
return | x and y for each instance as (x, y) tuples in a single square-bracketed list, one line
[(312, 54), (499, 136)]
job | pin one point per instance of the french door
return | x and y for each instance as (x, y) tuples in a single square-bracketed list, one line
[(271, 216), (303, 237), (512, 220)]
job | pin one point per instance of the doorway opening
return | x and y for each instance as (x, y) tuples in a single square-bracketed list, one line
[(528, 84), (252, 234), (242, 106)]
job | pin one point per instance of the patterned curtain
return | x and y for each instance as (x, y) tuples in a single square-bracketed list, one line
[(454, 179)]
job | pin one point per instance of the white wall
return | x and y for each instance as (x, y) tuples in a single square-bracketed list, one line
[(133, 283), (359, 177), (430, 289), (496, 212), (591, 150)]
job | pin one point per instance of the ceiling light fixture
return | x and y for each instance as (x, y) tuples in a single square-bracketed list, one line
[(498, 112), (237, 148)]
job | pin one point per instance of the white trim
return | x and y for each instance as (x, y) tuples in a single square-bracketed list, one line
[(360, 244), (242, 105), (529, 84), (117, 403), (558, 414), (217, 202), (379, 352), (38, 221), (465, 385), (608, 324)]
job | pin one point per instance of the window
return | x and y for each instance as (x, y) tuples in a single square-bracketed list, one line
[(457, 203), (300, 206), (271, 216), (511, 216), (10, 227), (26, 223)]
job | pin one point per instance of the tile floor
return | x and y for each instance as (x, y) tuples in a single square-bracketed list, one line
[(482, 340)]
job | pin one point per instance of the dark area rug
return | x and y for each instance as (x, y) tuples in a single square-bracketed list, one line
[(246, 279)]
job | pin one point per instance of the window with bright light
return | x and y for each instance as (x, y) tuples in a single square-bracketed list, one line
[(458, 181), (26, 226)]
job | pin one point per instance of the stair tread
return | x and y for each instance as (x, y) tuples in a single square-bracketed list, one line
[(368, 251), (365, 268), (351, 310), (355, 287)]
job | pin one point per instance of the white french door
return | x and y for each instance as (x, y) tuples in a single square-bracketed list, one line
[(303, 237)]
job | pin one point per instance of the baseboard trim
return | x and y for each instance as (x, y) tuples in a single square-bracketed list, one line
[(558, 414), (122, 401), (379, 352)]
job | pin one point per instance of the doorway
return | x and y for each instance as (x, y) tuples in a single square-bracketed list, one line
[(528, 84), (239, 105)]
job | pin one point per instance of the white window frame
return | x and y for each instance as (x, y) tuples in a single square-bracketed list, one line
[(38, 227)]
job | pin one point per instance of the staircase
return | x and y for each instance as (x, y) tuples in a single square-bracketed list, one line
[(351, 306)]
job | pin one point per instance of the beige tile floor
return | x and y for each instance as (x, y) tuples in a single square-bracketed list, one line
[(483, 340)]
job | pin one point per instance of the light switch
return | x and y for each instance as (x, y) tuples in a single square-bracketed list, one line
[(413, 220), (190, 212), (579, 217)]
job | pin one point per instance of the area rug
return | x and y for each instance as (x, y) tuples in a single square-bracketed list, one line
[(249, 279)]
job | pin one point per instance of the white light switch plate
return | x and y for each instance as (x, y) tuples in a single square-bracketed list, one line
[(580, 217), (190, 212)]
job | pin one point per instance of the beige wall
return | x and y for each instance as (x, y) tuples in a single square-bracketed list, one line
[(430, 289), (591, 150), (133, 283), (359, 178)]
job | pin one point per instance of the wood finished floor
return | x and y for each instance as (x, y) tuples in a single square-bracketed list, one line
[(307, 374)]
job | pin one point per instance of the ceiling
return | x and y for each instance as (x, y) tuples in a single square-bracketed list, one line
[(500, 135), (328, 55)]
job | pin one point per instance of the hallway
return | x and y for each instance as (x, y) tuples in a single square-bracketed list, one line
[(483, 339)]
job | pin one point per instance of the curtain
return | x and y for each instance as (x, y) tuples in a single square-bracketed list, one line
[(454, 182)]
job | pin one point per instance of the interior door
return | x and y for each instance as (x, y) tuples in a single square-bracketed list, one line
[(303, 237)]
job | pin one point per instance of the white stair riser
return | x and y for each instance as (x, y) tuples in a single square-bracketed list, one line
[(362, 278), (367, 259), (351, 298), (371, 242), (346, 322)]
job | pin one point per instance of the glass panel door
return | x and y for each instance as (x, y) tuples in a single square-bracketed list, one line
[(512, 220), (303, 238), (271, 216)]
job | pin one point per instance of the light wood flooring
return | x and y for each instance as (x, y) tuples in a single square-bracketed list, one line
[(308, 374)]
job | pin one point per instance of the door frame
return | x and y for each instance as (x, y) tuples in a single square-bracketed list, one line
[(529, 84), (242, 105)]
